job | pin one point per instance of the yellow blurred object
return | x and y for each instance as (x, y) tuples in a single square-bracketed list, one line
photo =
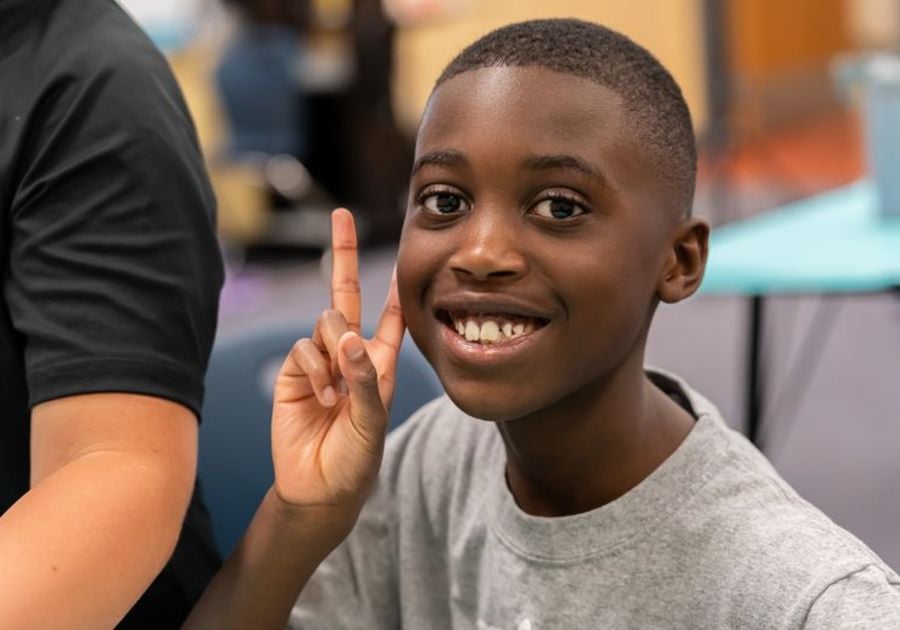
[(243, 211), (332, 14), (671, 30)]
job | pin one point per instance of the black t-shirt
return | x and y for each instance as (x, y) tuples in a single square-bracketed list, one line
[(109, 266)]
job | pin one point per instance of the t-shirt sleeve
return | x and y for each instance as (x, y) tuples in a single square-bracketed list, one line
[(868, 599), (114, 268), (356, 586)]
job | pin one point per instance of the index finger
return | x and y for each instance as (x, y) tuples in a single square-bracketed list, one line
[(345, 294)]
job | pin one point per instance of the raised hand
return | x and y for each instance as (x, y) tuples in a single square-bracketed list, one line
[(333, 392)]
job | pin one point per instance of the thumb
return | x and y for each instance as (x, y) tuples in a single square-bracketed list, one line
[(367, 412)]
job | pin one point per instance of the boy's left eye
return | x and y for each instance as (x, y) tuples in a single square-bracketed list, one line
[(441, 202), (558, 208)]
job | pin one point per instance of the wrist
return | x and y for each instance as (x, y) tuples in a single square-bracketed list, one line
[(327, 525)]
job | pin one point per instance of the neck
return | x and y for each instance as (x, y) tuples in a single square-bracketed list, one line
[(594, 446)]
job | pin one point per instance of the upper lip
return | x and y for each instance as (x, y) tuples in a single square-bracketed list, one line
[(490, 303)]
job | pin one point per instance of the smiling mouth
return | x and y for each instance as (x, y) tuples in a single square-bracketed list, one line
[(489, 328)]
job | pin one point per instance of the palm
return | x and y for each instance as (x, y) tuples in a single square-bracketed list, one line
[(328, 455), (320, 456)]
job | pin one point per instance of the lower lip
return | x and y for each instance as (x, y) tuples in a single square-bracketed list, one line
[(474, 353)]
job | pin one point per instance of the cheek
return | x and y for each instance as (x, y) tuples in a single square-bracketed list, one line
[(608, 296), (407, 279), (418, 260)]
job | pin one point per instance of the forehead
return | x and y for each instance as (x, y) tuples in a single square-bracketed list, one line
[(494, 112)]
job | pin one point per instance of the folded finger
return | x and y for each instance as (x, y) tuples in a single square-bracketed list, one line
[(368, 414), (306, 359), (329, 328)]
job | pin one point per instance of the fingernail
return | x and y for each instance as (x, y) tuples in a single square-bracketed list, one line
[(328, 396), (353, 349)]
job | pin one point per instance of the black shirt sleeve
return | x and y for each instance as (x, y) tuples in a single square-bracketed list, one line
[(114, 270)]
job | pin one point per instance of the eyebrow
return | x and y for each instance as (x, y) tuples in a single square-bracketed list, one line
[(452, 157), (440, 157), (566, 162)]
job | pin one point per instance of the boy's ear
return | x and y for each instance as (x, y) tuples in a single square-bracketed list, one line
[(685, 262)]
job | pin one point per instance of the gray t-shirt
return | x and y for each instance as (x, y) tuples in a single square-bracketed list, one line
[(713, 538)]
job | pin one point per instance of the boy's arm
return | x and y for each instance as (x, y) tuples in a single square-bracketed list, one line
[(260, 581), (326, 450), (112, 475), (310, 509)]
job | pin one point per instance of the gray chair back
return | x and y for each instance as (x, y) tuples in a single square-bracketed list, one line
[(235, 460)]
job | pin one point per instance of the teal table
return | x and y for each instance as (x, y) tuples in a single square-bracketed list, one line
[(832, 243)]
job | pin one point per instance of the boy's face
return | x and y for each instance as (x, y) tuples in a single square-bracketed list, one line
[(535, 228)]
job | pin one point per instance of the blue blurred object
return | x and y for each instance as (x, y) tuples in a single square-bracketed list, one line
[(235, 463), (838, 242), (257, 82), (835, 242), (170, 24), (882, 118)]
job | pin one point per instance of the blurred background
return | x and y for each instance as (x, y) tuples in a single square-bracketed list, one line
[(302, 106)]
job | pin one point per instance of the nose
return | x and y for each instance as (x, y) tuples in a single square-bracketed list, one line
[(489, 248)]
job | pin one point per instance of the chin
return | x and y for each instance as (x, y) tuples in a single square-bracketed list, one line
[(485, 403)]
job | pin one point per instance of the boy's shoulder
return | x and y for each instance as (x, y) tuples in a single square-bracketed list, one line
[(743, 523), (716, 484), (714, 525)]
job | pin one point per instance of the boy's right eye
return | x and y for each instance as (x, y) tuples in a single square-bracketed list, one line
[(443, 202)]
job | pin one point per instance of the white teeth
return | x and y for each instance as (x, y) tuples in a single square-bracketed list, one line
[(490, 331)]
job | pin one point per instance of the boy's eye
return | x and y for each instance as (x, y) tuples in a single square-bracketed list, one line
[(444, 203), (558, 208)]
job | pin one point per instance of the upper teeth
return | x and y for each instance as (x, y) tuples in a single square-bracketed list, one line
[(490, 330)]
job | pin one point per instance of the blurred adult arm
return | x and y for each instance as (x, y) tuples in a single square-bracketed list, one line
[(111, 280), (112, 475)]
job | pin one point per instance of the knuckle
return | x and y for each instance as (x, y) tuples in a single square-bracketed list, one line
[(319, 372), (346, 285), (299, 345), (331, 318), (344, 244), (367, 375)]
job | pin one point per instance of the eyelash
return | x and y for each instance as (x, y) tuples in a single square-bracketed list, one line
[(435, 191), (551, 196), (562, 196)]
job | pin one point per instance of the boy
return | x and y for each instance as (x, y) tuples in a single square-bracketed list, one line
[(549, 214)]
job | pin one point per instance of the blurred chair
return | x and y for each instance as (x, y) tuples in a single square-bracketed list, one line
[(265, 110), (258, 87), (235, 462)]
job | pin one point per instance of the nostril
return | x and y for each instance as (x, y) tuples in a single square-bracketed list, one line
[(483, 273), (490, 257)]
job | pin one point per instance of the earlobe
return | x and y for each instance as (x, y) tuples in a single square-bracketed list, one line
[(686, 261)]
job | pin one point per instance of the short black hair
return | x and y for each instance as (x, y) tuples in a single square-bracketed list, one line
[(654, 104)]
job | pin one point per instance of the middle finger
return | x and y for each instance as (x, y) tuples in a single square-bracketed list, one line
[(329, 328)]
